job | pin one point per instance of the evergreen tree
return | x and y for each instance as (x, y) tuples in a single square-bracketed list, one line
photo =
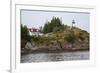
[(24, 36), (55, 23)]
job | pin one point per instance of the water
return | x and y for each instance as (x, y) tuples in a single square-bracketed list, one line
[(48, 57)]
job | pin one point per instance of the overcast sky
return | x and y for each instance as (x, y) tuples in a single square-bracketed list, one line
[(39, 18)]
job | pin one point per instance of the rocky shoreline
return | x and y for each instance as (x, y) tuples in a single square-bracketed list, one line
[(27, 51), (31, 47)]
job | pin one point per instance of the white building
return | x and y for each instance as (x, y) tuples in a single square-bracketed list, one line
[(34, 31)]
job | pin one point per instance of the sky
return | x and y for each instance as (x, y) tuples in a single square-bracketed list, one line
[(37, 19)]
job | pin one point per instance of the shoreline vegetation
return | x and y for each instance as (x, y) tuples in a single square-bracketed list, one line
[(57, 37)]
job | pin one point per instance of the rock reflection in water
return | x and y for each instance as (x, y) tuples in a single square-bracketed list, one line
[(57, 57), (48, 57)]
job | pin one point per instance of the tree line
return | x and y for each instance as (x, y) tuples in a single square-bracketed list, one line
[(54, 25)]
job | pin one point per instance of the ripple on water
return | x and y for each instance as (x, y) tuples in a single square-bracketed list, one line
[(47, 57)]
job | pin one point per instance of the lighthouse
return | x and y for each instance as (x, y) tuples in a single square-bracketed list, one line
[(73, 22)]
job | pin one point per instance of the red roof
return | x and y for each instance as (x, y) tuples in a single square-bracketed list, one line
[(33, 30)]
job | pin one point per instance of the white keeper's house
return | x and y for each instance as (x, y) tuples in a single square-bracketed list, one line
[(34, 31)]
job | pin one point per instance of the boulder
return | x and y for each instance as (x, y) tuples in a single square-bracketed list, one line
[(30, 45)]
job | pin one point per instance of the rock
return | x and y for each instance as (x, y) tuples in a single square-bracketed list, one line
[(30, 45)]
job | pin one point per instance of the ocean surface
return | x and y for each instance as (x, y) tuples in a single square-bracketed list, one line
[(49, 57)]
